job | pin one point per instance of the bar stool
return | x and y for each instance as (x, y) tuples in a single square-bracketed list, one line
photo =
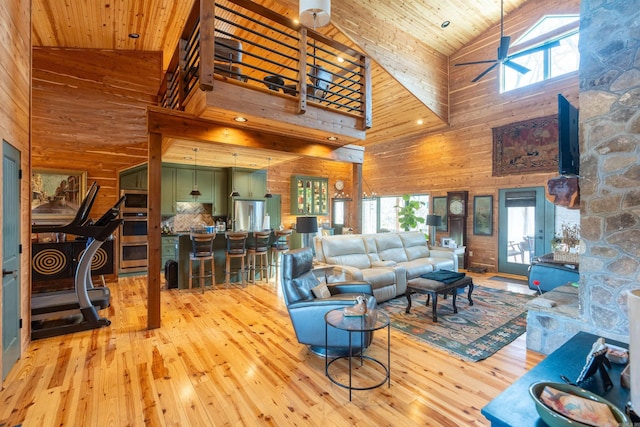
[(202, 251), (259, 249), (279, 246), (236, 248)]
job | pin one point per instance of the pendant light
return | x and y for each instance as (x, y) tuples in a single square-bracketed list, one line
[(315, 13), (195, 192), (268, 194), (234, 193)]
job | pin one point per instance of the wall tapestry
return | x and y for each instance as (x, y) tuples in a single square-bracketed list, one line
[(530, 146)]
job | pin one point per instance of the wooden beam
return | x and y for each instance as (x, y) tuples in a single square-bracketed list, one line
[(179, 125), (356, 190), (154, 240)]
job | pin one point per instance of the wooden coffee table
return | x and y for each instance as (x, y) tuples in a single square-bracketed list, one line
[(432, 288)]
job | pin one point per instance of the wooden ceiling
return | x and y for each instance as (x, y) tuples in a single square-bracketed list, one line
[(406, 41)]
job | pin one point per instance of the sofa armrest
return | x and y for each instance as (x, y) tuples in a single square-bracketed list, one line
[(350, 287), (347, 272), (445, 254)]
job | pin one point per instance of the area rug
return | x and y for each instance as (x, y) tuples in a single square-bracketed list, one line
[(509, 280), (476, 332)]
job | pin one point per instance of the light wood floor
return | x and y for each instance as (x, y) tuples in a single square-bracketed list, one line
[(230, 357)]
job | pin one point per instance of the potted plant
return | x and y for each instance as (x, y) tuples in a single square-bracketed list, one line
[(566, 243), (407, 213)]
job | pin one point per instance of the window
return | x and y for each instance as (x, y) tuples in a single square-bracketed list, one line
[(555, 60), (381, 214)]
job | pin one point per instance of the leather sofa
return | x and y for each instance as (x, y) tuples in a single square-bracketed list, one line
[(385, 260), (307, 311), (551, 275)]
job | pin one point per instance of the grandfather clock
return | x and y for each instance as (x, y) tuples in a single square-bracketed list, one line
[(457, 213)]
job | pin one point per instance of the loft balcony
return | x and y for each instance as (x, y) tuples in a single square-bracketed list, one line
[(237, 58)]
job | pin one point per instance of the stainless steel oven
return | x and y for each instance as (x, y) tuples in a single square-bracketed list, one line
[(135, 201), (134, 231), (134, 228), (133, 256)]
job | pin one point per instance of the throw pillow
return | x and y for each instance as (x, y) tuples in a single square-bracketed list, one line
[(321, 291)]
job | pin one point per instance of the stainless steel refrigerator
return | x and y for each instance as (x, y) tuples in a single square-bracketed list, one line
[(248, 215)]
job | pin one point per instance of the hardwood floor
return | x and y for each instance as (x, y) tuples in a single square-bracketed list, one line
[(230, 357)]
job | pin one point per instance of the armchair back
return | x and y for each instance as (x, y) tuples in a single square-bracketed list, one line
[(296, 277)]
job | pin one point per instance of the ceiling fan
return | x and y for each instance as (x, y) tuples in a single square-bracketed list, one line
[(503, 52)]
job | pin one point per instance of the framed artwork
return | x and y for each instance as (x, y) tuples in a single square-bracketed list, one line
[(56, 194), (483, 215), (440, 208)]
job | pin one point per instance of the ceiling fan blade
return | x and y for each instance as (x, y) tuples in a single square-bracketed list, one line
[(543, 46), (503, 50), (484, 73), (488, 61), (519, 68)]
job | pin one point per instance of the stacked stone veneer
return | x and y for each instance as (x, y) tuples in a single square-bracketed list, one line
[(610, 176)]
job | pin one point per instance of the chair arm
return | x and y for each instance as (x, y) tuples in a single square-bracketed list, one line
[(350, 287), (348, 272), (333, 302), (445, 254)]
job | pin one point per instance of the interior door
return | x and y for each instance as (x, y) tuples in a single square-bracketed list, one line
[(10, 257), (525, 230)]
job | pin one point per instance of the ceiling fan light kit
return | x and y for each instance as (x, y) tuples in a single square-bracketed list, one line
[(503, 52)]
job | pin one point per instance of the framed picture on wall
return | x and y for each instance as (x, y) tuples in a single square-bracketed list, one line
[(56, 194), (440, 208), (483, 215)]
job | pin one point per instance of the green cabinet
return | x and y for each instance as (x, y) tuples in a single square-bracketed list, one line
[(250, 183), (169, 249), (168, 196), (134, 178), (220, 194), (185, 180), (309, 195)]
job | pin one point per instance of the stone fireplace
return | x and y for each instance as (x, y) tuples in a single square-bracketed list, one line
[(609, 182)]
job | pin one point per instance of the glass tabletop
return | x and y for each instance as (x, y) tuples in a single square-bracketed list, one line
[(373, 320)]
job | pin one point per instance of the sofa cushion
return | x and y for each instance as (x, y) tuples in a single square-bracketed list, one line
[(347, 250), (390, 247), (415, 245), (417, 268), (372, 249), (379, 277)]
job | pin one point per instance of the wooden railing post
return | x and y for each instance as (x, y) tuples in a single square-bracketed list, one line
[(182, 87), (302, 72), (366, 94), (206, 50)]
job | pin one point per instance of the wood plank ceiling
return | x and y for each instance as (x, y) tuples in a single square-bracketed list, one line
[(406, 41)]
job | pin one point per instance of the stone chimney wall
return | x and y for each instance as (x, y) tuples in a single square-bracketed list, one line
[(610, 166)]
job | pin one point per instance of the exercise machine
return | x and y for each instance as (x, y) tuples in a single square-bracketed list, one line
[(63, 312)]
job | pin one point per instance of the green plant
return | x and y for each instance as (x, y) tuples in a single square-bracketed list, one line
[(407, 213)]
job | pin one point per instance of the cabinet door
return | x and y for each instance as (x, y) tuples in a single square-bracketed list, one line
[(134, 179), (168, 200), (220, 195), (241, 181), (205, 185), (258, 184), (320, 197)]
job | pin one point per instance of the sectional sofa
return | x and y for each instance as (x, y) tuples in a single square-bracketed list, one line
[(386, 260)]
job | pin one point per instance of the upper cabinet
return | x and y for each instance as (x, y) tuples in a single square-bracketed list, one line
[(134, 178), (309, 195), (250, 183), (186, 179), (178, 182)]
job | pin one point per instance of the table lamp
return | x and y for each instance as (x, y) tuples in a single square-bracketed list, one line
[(433, 221), (306, 225)]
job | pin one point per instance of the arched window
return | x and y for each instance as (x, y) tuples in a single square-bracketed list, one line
[(555, 60)]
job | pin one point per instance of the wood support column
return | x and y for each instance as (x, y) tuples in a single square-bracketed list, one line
[(155, 240), (356, 212)]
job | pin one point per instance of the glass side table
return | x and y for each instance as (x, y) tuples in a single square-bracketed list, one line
[(372, 321)]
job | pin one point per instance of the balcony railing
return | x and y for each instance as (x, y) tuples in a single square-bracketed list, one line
[(244, 43)]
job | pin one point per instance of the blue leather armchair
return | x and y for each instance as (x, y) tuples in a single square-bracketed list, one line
[(307, 312)]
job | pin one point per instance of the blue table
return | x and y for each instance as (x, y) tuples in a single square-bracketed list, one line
[(514, 406)]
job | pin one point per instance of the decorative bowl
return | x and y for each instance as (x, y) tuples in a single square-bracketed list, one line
[(555, 419)]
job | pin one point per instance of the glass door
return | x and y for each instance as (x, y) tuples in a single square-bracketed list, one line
[(526, 227)]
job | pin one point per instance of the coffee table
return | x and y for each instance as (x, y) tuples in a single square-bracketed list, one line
[(372, 321), (432, 288)]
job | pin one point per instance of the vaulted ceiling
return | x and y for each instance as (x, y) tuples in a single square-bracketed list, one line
[(405, 39)]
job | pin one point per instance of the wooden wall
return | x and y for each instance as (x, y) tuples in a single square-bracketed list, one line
[(460, 158), (89, 112), (15, 74)]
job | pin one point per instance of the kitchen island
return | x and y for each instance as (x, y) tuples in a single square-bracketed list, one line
[(219, 248)]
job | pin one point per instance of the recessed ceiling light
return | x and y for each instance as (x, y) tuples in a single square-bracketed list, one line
[(332, 138), (340, 59), (445, 24), (420, 122), (240, 119), (188, 158), (134, 35)]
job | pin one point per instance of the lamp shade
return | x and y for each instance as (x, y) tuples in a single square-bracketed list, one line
[(315, 13), (434, 220), (307, 224)]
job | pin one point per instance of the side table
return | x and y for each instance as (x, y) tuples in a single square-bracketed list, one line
[(373, 320)]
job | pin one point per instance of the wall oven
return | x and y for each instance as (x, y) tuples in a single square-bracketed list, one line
[(133, 232)]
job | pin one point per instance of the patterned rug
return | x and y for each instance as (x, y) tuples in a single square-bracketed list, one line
[(476, 332)]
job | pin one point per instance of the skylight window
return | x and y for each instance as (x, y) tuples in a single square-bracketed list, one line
[(557, 59)]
